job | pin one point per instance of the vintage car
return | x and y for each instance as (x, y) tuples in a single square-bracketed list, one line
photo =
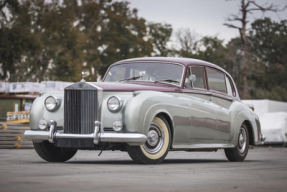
[(147, 107)]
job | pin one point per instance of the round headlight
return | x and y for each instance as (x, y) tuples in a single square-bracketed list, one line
[(114, 103), (51, 103)]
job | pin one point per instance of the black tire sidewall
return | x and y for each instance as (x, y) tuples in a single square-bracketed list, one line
[(49, 152), (233, 154)]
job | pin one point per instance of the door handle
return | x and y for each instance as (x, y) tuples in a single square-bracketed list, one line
[(228, 98), (208, 93)]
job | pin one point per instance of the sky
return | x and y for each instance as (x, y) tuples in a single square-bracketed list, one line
[(205, 17)]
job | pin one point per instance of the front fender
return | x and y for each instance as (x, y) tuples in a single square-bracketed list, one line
[(142, 108), (39, 110)]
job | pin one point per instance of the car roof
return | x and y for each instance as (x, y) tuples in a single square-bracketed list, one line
[(183, 61)]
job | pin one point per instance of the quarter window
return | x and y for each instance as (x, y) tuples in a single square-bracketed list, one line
[(216, 80), (230, 89)]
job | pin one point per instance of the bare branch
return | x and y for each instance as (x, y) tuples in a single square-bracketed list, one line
[(231, 26), (271, 7), (235, 19)]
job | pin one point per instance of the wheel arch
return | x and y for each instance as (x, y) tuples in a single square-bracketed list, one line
[(244, 117), (170, 123), (250, 131)]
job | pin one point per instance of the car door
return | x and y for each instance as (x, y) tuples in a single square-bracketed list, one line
[(203, 112), (222, 97)]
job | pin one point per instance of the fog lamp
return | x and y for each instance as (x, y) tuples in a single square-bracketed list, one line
[(117, 125), (43, 124)]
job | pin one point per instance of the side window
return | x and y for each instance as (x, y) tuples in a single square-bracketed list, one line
[(230, 88), (200, 78), (216, 80), (195, 78)]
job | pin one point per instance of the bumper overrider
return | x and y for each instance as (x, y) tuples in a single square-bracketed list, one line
[(52, 135)]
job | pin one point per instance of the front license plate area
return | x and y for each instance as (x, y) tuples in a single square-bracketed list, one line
[(74, 142)]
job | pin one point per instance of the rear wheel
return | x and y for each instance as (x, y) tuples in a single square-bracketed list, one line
[(239, 153), (157, 145), (49, 152)]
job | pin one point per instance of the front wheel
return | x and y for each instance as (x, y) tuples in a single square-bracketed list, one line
[(239, 153), (157, 145), (49, 152)]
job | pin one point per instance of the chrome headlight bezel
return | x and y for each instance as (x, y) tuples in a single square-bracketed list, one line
[(119, 105), (57, 103)]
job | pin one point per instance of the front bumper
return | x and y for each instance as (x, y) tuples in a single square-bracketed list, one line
[(261, 140), (52, 135)]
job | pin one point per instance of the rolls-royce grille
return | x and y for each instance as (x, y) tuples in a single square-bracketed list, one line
[(80, 111)]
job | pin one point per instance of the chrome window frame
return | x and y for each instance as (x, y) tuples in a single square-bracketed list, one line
[(163, 62)]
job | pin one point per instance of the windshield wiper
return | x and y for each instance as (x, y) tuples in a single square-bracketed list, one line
[(131, 78), (169, 80)]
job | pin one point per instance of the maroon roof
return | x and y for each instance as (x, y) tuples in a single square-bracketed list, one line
[(183, 61)]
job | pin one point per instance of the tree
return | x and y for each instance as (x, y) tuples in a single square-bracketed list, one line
[(9, 4), (207, 48), (212, 50), (69, 56), (232, 58), (12, 40), (269, 47), (91, 23), (58, 39), (40, 42), (188, 43), (123, 35), (160, 34), (247, 7)]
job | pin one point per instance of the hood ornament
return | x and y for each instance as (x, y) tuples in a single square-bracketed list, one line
[(83, 76)]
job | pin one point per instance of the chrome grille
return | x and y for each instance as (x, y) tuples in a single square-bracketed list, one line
[(80, 111)]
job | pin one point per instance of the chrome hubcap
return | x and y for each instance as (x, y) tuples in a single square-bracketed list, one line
[(152, 138), (242, 138), (155, 139)]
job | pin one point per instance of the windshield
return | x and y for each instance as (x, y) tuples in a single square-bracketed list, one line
[(153, 72)]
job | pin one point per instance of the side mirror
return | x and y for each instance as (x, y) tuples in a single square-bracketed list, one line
[(192, 78)]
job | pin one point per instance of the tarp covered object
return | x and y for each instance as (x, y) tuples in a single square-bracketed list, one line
[(273, 119), (274, 127)]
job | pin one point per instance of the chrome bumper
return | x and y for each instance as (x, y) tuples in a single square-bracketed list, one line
[(52, 135), (263, 138)]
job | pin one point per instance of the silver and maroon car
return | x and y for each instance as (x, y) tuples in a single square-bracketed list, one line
[(147, 107)]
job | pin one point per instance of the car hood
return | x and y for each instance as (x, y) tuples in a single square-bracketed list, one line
[(136, 86)]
